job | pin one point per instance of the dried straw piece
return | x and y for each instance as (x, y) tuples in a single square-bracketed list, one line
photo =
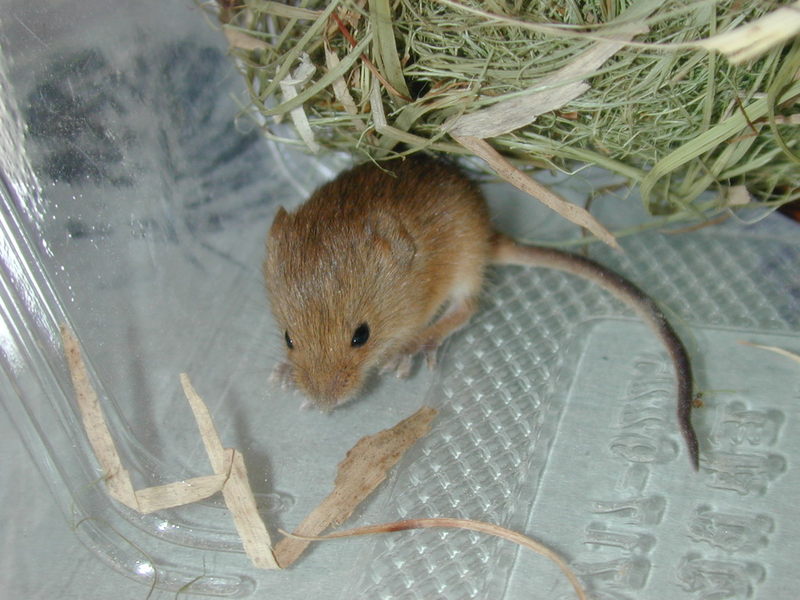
[(340, 88), (289, 87), (179, 493), (230, 474), (237, 492), (281, 9), (754, 39), (576, 214), (775, 349), (361, 471), (244, 41), (118, 480), (478, 526)]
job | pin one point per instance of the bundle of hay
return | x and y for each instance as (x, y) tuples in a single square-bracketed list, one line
[(635, 86)]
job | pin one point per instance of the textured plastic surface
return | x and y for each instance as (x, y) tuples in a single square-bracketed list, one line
[(135, 206)]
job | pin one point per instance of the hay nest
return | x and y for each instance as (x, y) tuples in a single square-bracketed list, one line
[(636, 87)]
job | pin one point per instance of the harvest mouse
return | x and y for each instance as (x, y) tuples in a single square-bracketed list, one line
[(384, 262)]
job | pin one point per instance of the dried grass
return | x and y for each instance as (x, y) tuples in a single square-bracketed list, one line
[(664, 111)]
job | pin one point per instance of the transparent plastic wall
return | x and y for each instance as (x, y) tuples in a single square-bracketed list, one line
[(135, 202)]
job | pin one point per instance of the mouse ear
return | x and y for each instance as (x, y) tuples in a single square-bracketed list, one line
[(390, 235), (278, 224), (280, 219), (276, 231)]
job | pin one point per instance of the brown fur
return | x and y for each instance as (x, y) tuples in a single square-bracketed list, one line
[(364, 249)]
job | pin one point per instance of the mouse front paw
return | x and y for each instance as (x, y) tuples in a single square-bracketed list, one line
[(282, 374), (431, 356), (401, 365), (429, 351)]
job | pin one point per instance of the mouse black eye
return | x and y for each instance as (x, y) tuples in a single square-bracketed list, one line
[(289, 340), (360, 335)]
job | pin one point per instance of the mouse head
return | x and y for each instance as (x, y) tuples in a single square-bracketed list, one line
[(341, 292)]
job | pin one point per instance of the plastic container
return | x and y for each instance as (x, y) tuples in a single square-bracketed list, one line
[(135, 203)]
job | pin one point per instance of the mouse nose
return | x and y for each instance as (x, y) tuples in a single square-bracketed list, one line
[(339, 388), (331, 391)]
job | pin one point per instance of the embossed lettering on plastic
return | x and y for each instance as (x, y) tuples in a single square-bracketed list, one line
[(648, 510), (743, 473), (737, 425), (599, 534), (710, 579), (739, 460), (647, 416), (732, 532), (629, 572)]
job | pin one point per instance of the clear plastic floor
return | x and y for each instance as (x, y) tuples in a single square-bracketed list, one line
[(135, 203)]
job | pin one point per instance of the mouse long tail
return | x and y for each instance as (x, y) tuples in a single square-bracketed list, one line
[(507, 251)]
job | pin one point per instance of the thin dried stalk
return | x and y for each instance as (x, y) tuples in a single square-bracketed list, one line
[(478, 526), (576, 214), (237, 492), (775, 349)]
